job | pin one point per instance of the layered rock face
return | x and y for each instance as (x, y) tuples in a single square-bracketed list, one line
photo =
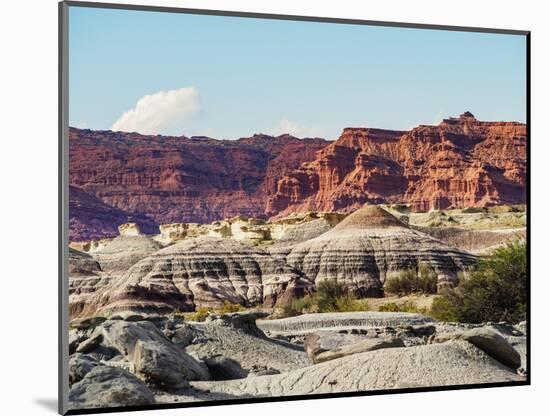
[(204, 271), (124, 251), (92, 219), (370, 246), (85, 278), (126, 177), (175, 179), (462, 162)]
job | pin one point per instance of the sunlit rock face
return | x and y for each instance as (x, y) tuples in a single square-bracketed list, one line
[(461, 162), (371, 245), (204, 271)]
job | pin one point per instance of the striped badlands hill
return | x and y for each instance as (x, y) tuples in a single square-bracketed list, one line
[(371, 245)]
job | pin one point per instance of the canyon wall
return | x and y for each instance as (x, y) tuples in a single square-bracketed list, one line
[(462, 162), (120, 177)]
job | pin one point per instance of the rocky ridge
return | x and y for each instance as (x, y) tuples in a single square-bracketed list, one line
[(120, 177), (462, 162), (160, 180)]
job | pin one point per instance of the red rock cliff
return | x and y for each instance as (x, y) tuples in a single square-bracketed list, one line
[(175, 179), (461, 162), (156, 179)]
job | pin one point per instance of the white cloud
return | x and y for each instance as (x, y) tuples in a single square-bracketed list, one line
[(161, 112), (287, 126)]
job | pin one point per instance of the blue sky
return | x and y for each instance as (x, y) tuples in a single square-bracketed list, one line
[(229, 77)]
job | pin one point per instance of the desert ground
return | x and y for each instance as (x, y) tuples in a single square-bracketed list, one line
[(235, 309)]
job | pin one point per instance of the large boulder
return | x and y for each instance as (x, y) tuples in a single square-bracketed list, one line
[(326, 346), (224, 368), (91, 343), (487, 340), (109, 387), (153, 356), (79, 366), (165, 366)]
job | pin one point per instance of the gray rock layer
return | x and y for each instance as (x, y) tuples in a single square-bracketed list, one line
[(341, 321), (489, 341), (205, 271), (452, 363), (124, 251), (326, 346), (370, 246), (109, 387)]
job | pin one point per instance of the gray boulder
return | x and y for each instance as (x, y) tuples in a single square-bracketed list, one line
[(183, 336), (329, 345), (75, 338), (109, 387), (79, 366), (487, 340), (369, 344), (154, 357), (224, 368), (91, 343), (165, 366)]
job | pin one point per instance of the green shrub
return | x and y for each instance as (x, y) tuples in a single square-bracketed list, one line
[(200, 314), (328, 293), (495, 291), (444, 309), (298, 306), (229, 307), (423, 281), (331, 296), (406, 306)]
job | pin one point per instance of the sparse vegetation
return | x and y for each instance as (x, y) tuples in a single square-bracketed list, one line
[(229, 307), (495, 291), (201, 313), (423, 281), (406, 306), (331, 296)]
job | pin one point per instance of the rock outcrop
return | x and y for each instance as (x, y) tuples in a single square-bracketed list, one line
[(120, 177), (462, 162), (341, 321), (204, 271), (124, 251), (370, 246), (237, 338), (105, 387), (487, 340), (133, 359), (448, 364), (92, 219), (85, 278), (319, 350), (174, 179)]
